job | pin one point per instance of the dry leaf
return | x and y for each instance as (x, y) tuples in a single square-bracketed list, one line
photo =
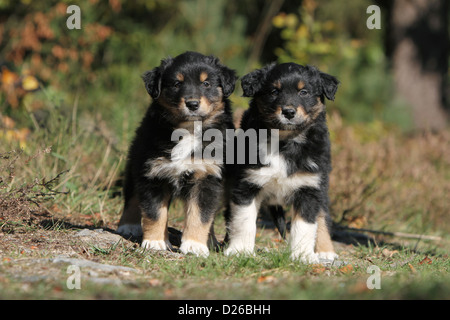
[(30, 83), (8, 77), (318, 269), (266, 279), (57, 289), (413, 270), (346, 269), (426, 260)]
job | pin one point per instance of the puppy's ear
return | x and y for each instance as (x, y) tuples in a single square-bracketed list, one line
[(329, 85), (228, 80), (227, 76), (152, 79), (252, 82)]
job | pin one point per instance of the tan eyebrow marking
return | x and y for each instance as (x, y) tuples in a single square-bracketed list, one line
[(203, 76), (300, 85), (180, 77), (277, 84)]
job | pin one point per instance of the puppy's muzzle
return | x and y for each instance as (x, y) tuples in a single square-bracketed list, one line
[(288, 113), (193, 105)]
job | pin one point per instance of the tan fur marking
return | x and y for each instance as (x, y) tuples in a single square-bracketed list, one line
[(195, 229), (304, 174), (286, 134), (317, 109), (301, 112), (237, 117), (181, 105), (188, 125), (323, 242), (174, 110), (217, 109), (157, 229), (200, 174), (180, 77), (277, 84), (278, 111), (203, 76), (205, 106), (131, 213), (300, 85)]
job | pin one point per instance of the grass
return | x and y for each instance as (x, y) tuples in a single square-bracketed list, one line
[(270, 274)]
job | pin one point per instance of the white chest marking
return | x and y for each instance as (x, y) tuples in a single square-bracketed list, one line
[(276, 184), (182, 160)]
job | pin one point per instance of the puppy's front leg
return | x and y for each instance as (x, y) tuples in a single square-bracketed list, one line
[(196, 230), (304, 225), (242, 228), (203, 202), (303, 239), (155, 206), (324, 245)]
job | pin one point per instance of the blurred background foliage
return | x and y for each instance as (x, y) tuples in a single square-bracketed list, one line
[(80, 91), (120, 39)]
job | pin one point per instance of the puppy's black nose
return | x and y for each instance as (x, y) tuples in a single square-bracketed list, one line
[(289, 113), (192, 104)]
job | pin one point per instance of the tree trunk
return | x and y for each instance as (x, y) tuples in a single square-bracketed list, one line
[(419, 42)]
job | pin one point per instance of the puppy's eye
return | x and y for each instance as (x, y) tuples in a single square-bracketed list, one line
[(177, 84), (275, 92), (303, 92), (206, 84)]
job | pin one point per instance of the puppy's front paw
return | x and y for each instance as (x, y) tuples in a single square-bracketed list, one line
[(230, 251), (329, 255), (156, 244), (195, 247), (238, 249), (305, 257)]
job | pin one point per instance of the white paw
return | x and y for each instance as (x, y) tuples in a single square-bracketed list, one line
[(197, 248), (329, 255), (156, 244), (238, 249), (305, 257), (130, 230)]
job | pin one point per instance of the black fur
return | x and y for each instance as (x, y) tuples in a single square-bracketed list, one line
[(305, 144), (172, 85)]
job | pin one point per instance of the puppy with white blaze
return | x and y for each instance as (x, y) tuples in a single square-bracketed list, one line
[(287, 100), (190, 96)]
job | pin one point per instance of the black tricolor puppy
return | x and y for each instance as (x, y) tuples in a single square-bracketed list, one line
[(166, 159), (289, 98)]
